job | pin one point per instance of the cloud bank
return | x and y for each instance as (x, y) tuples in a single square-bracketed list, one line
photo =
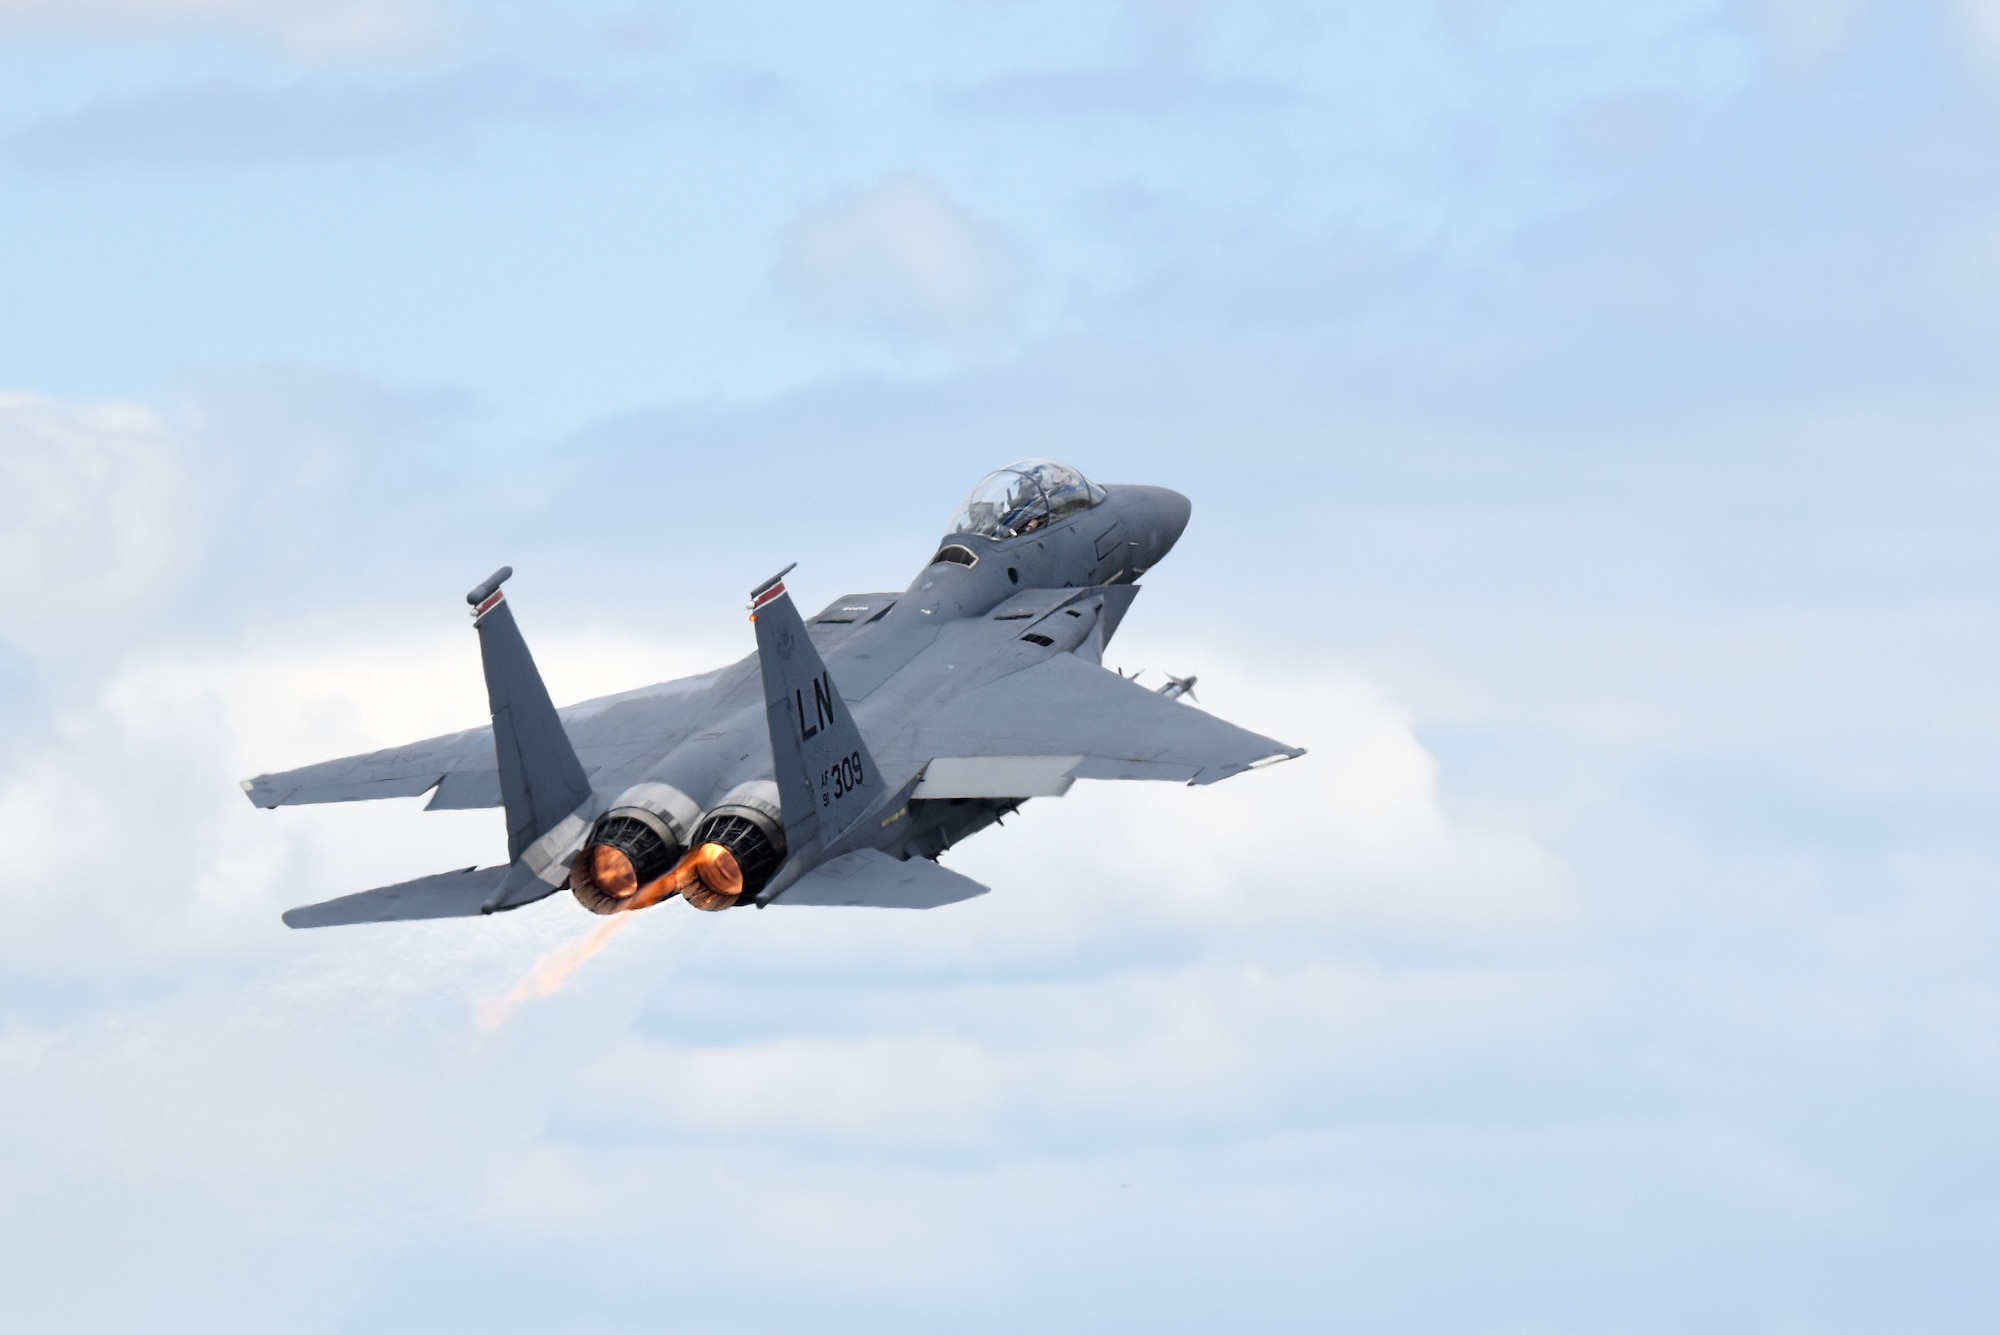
[(1588, 416), (899, 256), (336, 29)]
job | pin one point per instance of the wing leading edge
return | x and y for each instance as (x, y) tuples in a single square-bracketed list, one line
[(398, 771), (1065, 709), (608, 734)]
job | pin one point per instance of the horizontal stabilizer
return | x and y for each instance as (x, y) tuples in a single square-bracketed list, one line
[(469, 790), (449, 894), (870, 878)]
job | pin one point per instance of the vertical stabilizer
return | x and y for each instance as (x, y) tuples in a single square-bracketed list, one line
[(826, 778), (541, 780)]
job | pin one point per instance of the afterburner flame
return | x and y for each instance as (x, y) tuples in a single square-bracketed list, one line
[(714, 878), (707, 877), (612, 871), (551, 971), (604, 881)]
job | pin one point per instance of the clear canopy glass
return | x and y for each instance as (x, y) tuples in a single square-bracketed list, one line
[(1023, 497)]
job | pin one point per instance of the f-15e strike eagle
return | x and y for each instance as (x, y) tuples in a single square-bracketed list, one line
[(833, 765)]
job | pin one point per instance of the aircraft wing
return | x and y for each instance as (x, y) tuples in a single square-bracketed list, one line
[(1082, 719), (617, 733), (398, 771), (608, 734)]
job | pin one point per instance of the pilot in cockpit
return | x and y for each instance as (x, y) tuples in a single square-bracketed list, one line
[(1023, 498)]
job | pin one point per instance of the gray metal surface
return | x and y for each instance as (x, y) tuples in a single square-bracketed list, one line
[(888, 727), (541, 780), (451, 894), (947, 777), (867, 878), (826, 776)]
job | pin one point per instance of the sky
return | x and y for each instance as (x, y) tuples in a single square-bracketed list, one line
[(1589, 416)]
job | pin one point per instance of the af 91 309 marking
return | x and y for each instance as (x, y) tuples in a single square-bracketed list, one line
[(841, 779)]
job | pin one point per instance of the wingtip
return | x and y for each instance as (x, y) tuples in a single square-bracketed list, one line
[(1210, 774), (261, 794)]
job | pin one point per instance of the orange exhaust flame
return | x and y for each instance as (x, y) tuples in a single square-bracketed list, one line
[(707, 877), (551, 971), (612, 871), (603, 879), (717, 880)]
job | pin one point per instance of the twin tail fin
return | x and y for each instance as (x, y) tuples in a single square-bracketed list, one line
[(825, 775), (541, 780)]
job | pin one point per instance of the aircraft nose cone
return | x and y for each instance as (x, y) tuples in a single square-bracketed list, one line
[(1174, 510), (1159, 514)]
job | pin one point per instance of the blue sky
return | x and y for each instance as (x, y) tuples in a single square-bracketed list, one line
[(1588, 412)]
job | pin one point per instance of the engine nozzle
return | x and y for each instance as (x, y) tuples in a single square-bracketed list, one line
[(634, 859), (708, 878), (632, 846)]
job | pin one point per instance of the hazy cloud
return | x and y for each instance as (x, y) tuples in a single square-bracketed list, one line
[(1812, 29), (1613, 524), (312, 29), (98, 513), (1135, 91), (899, 255), (164, 741), (1981, 23), (311, 1066), (230, 123)]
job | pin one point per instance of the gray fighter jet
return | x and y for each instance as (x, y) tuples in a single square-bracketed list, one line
[(834, 764)]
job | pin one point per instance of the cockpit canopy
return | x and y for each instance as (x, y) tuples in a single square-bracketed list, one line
[(1024, 497)]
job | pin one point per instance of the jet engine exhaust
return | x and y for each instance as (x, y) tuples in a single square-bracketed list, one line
[(635, 844), (550, 972), (707, 878), (634, 859), (749, 826), (603, 880), (622, 856)]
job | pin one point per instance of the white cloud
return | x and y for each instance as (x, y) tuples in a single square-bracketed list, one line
[(1815, 29), (1980, 20), (97, 512), (901, 255), (1350, 837), (312, 29), (128, 814), (1312, 1011), (307, 1095), (1812, 29), (128, 818)]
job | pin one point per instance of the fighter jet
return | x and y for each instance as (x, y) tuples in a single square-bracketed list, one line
[(833, 765)]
